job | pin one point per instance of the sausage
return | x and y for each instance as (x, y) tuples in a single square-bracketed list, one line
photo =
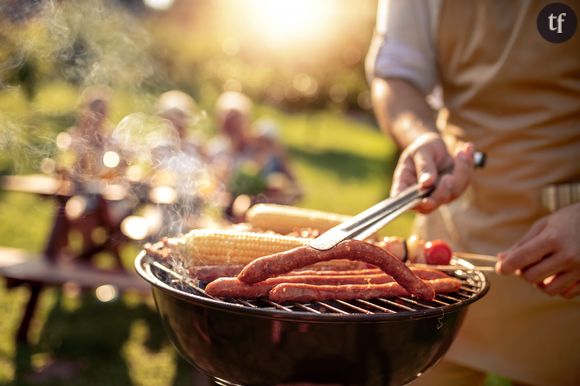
[(323, 272), (234, 288), (208, 273), (307, 292), (231, 287), (429, 273), (424, 273), (446, 286), (283, 262), (339, 265)]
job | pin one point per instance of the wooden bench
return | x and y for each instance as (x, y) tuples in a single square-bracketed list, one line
[(20, 267), (52, 267)]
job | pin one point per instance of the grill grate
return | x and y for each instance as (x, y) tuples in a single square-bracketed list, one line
[(473, 286)]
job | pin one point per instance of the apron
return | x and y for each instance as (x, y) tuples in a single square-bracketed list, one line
[(516, 96)]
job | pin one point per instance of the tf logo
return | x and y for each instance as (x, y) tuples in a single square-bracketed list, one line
[(557, 22)]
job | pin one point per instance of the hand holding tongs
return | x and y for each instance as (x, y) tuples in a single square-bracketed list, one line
[(377, 216)]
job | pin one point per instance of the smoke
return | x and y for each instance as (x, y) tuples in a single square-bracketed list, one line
[(80, 44), (72, 44), (180, 181), (21, 147), (85, 42), (98, 42)]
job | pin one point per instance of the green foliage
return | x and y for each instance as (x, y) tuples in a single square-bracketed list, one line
[(344, 163), (496, 380), (199, 47), (247, 180), (25, 220)]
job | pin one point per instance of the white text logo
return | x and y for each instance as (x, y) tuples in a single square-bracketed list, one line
[(559, 19)]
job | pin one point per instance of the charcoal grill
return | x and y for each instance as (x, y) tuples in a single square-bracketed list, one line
[(260, 342)]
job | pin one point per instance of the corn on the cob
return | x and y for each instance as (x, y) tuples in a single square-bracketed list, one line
[(218, 247), (285, 219)]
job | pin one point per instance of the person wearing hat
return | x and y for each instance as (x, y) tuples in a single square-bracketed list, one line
[(233, 114), (179, 110), (511, 93)]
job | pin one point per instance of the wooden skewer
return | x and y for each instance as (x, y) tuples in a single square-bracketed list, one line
[(475, 256), (455, 267), (467, 257)]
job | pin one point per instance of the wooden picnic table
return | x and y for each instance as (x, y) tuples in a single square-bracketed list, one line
[(49, 186), (35, 183), (21, 265), (57, 265)]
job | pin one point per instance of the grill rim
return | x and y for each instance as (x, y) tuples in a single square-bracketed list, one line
[(143, 268)]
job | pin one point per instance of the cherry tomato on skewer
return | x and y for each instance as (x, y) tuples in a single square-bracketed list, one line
[(437, 252)]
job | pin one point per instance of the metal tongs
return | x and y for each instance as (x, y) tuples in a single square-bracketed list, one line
[(377, 216)]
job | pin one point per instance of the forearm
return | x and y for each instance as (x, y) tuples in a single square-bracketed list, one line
[(401, 110)]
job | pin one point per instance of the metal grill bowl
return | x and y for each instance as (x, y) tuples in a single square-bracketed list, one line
[(376, 342)]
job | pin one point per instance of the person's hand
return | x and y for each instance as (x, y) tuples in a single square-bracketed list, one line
[(549, 254), (423, 160)]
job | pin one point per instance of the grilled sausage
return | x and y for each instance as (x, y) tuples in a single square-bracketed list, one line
[(209, 273), (231, 287), (283, 262), (234, 288), (338, 265), (307, 292), (424, 273)]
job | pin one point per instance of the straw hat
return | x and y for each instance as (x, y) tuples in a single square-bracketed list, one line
[(233, 100), (176, 100)]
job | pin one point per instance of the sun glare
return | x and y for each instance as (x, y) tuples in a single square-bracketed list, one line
[(290, 21), (160, 5)]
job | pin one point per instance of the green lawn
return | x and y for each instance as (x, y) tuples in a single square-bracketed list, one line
[(343, 164)]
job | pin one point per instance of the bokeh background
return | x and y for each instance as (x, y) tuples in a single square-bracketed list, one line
[(300, 61)]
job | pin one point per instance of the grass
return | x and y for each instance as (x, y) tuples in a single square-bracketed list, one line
[(344, 165)]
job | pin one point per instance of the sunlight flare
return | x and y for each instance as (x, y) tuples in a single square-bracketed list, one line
[(283, 22)]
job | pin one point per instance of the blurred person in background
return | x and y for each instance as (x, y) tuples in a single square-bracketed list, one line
[(178, 157), (282, 187), (232, 152), (253, 162), (84, 145), (180, 111), (88, 157), (514, 95), (233, 114)]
